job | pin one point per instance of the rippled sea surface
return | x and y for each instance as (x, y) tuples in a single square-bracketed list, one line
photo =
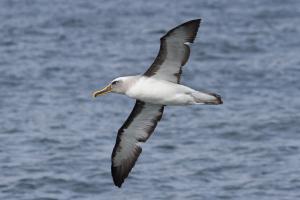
[(56, 140)]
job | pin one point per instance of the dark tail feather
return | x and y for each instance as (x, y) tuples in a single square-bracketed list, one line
[(218, 97)]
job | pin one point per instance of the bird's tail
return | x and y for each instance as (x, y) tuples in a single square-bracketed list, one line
[(207, 98)]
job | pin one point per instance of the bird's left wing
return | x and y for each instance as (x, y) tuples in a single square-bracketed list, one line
[(174, 52), (137, 128)]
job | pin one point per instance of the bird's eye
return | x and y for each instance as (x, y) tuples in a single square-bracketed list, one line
[(114, 82)]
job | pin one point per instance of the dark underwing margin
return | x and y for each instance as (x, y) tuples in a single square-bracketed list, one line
[(137, 128), (174, 52)]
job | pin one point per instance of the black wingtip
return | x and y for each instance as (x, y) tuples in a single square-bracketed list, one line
[(118, 182), (119, 185), (195, 21), (117, 179)]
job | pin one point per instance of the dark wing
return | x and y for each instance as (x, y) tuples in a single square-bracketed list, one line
[(174, 52), (137, 128)]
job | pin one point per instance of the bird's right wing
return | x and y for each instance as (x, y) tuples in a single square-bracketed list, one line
[(174, 52), (137, 128)]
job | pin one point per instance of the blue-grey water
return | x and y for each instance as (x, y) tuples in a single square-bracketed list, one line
[(56, 140)]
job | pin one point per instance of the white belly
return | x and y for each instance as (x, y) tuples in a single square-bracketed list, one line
[(161, 92)]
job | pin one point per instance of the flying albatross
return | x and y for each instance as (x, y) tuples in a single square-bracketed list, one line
[(157, 87)]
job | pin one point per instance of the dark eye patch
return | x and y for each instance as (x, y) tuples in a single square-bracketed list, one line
[(114, 82)]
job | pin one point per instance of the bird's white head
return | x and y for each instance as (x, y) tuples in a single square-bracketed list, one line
[(119, 85)]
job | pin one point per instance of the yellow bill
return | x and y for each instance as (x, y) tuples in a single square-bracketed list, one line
[(105, 90)]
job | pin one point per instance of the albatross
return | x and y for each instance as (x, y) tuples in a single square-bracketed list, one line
[(156, 88)]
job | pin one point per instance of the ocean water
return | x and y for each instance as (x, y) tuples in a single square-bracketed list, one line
[(56, 140)]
